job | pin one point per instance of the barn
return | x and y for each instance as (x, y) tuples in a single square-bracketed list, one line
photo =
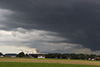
[(96, 58)]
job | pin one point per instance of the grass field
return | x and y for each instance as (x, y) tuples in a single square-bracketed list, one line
[(31, 62), (24, 64)]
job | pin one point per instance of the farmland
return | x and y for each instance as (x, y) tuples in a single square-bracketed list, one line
[(30, 62), (24, 64)]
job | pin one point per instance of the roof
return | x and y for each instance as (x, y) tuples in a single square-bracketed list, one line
[(41, 55), (96, 58)]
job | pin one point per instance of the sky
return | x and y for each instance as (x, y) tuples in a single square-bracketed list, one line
[(50, 26)]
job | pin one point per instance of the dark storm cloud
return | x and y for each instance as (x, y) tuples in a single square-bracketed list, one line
[(76, 20)]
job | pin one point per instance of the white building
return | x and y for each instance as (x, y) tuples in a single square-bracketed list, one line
[(41, 56)]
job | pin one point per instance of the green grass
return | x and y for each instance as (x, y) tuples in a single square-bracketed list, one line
[(48, 59), (23, 64)]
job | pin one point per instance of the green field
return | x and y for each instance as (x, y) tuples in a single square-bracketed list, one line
[(24, 64), (33, 62)]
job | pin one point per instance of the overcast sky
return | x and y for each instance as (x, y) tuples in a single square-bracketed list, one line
[(58, 26)]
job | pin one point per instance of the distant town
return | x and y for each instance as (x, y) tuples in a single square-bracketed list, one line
[(52, 55)]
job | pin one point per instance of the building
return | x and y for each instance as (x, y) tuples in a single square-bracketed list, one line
[(68, 58), (10, 55), (96, 58), (1, 56), (41, 56)]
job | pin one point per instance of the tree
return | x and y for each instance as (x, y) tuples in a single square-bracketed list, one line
[(1, 54), (73, 56), (21, 54)]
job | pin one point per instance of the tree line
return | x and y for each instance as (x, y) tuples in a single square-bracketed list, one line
[(58, 55)]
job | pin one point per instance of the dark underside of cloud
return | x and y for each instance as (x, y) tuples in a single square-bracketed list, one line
[(76, 20)]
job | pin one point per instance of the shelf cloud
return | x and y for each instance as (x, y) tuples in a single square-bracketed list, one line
[(51, 25)]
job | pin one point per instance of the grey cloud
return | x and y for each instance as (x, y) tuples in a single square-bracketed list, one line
[(76, 20), (32, 39)]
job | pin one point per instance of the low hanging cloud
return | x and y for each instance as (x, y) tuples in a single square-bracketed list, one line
[(42, 40), (70, 22), (45, 41)]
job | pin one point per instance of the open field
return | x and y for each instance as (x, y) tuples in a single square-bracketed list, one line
[(24, 64), (57, 61)]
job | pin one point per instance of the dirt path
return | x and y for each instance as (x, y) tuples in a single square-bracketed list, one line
[(51, 61)]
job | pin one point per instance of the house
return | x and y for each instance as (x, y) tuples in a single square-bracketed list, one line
[(10, 55), (96, 58), (1, 56), (41, 56), (29, 55), (68, 58)]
